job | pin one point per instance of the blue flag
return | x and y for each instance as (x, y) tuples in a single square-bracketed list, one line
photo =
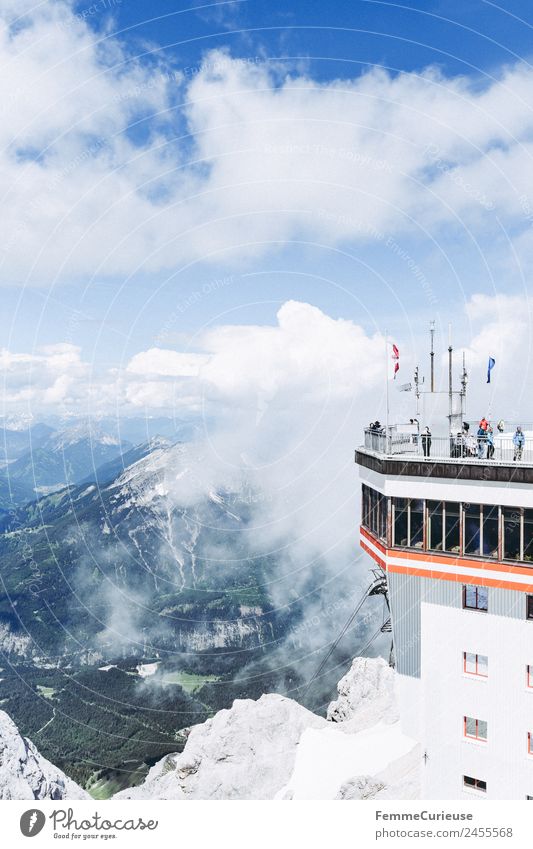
[(492, 363)]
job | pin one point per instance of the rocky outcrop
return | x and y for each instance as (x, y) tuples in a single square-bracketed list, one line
[(25, 774), (275, 748), (246, 752), (366, 695)]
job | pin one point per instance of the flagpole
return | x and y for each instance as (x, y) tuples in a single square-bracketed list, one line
[(386, 393)]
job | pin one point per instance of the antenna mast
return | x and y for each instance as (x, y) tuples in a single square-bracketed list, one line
[(450, 377), (432, 354)]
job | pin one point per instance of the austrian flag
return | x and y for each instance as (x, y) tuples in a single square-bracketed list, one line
[(396, 358)]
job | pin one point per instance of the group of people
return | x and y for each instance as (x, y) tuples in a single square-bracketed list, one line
[(482, 445)]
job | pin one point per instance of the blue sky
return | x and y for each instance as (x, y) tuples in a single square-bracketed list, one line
[(171, 168)]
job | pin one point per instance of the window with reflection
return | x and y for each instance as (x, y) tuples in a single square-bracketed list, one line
[(472, 528), (382, 517), (451, 526), (475, 597), (511, 533), (417, 523), (435, 530), (490, 530), (528, 535), (401, 522)]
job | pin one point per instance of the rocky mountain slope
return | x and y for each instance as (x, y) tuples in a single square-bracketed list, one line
[(25, 774), (275, 748)]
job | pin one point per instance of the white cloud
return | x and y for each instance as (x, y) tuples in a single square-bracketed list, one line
[(165, 363), (272, 157)]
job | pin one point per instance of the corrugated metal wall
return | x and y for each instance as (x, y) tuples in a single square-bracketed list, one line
[(406, 592)]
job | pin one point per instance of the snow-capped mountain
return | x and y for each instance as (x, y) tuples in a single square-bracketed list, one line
[(179, 550), (64, 457), (25, 774), (275, 748)]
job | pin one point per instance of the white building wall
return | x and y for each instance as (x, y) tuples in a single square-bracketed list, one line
[(447, 695)]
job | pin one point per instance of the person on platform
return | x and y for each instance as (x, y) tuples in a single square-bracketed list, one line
[(426, 442), (483, 425), (490, 443), (519, 440), (481, 441)]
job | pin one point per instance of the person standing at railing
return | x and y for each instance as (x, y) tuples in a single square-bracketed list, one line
[(481, 440), (519, 440), (490, 443), (426, 442)]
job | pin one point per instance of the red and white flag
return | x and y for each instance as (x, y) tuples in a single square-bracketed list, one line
[(396, 358)]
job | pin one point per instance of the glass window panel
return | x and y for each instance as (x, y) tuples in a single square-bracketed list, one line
[(528, 535), (472, 529), (382, 519), (470, 663), (470, 596), (400, 521), (511, 533), (482, 729), (469, 782), (482, 665), (470, 726), (490, 531), (452, 526), (530, 607), (482, 598), (417, 523), (475, 597), (365, 509), (435, 525)]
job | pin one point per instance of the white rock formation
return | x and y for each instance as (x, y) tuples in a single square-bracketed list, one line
[(246, 752), (366, 695), (25, 774), (275, 748)]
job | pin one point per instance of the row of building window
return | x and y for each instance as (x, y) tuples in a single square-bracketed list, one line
[(470, 783), (477, 729), (478, 665), (448, 526), (477, 598)]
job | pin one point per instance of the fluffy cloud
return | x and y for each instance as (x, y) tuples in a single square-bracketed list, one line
[(271, 155), (306, 359)]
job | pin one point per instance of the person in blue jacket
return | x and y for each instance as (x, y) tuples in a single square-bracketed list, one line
[(490, 443), (519, 440)]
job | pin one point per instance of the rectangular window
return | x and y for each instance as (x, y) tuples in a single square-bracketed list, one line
[(417, 523), (529, 676), (474, 783), (451, 527), (512, 533), (528, 536), (472, 528), (401, 522), (490, 531), (475, 729), (382, 517), (476, 664), (529, 608), (475, 598), (529, 743), (435, 532), (365, 509)]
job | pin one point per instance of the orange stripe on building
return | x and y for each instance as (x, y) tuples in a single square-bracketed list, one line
[(480, 580)]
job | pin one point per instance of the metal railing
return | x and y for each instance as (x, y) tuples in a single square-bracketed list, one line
[(501, 448)]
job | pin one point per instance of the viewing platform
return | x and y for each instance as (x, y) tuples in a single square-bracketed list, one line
[(404, 450)]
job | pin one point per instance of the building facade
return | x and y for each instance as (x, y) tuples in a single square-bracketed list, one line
[(455, 539)]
